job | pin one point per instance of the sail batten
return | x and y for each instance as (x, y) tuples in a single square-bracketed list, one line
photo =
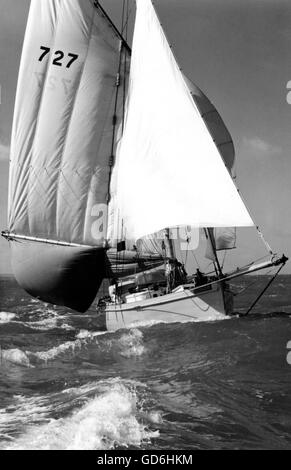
[(170, 171)]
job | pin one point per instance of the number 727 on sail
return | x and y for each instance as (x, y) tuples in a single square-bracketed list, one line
[(59, 56)]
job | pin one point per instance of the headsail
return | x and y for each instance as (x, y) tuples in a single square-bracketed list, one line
[(222, 239), (177, 176), (215, 125), (61, 151)]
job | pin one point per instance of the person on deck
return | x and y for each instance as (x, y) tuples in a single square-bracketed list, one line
[(170, 275), (180, 273), (200, 278), (113, 290)]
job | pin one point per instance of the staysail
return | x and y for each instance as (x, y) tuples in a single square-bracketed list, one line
[(222, 238), (177, 176), (214, 123), (61, 151)]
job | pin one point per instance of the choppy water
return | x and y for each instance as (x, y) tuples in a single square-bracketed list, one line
[(215, 385)]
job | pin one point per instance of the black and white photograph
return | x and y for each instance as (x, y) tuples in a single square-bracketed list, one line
[(145, 227)]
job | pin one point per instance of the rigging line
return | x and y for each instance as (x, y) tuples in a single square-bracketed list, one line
[(210, 235), (187, 252), (129, 13), (196, 260), (114, 121), (125, 10), (252, 283), (263, 291), (224, 258), (122, 16), (253, 262), (98, 5)]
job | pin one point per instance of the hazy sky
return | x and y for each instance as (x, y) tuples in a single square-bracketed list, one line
[(239, 53)]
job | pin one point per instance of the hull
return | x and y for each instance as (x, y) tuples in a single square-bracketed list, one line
[(183, 305)]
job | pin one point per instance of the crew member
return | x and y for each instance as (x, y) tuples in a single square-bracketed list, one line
[(170, 275), (200, 278), (113, 290)]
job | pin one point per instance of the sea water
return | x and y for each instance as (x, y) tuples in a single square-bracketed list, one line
[(217, 385)]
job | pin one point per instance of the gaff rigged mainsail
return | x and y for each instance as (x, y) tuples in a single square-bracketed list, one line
[(61, 151)]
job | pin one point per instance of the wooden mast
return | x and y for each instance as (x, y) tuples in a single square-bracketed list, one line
[(209, 234), (169, 245)]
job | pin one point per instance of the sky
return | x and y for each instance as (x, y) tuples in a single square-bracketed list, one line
[(239, 53)]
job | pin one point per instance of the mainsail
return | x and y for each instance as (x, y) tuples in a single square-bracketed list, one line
[(61, 151)]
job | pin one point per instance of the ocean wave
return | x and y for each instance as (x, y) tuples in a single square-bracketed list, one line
[(107, 417), (48, 324), (88, 335), (69, 346), (14, 356), (6, 317), (129, 344)]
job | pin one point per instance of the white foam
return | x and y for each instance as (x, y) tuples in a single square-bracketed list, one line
[(144, 323), (107, 419), (6, 317), (48, 324), (85, 334), (155, 417), (15, 356), (82, 338), (56, 351), (131, 344)]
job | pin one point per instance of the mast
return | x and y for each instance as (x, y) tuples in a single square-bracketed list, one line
[(115, 29), (169, 245)]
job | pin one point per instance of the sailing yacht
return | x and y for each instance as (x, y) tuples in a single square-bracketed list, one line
[(111, 150)]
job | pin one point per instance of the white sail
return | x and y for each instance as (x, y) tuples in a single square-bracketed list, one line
[(63, 123), (215, 125), (223, 238), (61, 150), (170, 172)]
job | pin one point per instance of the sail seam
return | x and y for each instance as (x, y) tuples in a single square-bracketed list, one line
[(41, 103), (29, 159), (71, 116)]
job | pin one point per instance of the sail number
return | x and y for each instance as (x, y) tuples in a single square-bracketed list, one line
[(60, 57)]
